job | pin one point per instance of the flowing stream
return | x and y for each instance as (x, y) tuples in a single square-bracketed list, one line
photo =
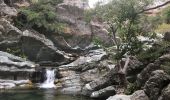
[(50, 78)]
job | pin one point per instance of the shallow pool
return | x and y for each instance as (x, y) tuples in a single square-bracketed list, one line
[(39, 94)]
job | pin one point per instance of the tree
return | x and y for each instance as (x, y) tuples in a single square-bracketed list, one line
[(123, 18)]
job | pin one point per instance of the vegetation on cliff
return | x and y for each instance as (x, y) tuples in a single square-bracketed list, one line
[(41, 16)]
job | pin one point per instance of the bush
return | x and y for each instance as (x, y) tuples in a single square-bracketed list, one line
[(154, 52), (40, 16)]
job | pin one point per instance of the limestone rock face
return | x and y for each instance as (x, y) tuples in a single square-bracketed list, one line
[(38, 48), (15, 68), (87, 61), (9, 35)]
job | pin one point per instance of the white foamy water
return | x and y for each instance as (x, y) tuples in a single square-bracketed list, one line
[(49, 82)]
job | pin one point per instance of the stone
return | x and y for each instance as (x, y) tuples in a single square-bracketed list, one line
[(6, 10), (139, 95), (40, 49), (10, 35), (104, 93), (144, 75), (167, 36), (70, 83), (87, 61), (15, 68), (165, 95), (119, 97), (157, 81)]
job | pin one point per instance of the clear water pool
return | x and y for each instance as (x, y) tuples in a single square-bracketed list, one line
[(38, 94)]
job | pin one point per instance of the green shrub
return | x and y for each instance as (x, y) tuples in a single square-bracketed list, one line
[(40, 16), (16, 51), (131, 88), (154, 52)]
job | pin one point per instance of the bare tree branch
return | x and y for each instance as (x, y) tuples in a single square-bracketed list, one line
[(156, 7)]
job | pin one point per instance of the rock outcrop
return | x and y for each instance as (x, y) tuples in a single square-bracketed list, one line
[(158, 80), (40, 49), (15, 68)]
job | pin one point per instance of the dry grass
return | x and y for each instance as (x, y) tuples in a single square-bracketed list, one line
[(163, 28)]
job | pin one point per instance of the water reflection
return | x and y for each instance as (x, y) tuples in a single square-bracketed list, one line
[(39, 94)]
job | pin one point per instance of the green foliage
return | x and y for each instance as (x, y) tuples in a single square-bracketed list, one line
[(16, 51), (97, 41), (40, 16), (125, 18), (154, 53), (131, 88), (166, 67)]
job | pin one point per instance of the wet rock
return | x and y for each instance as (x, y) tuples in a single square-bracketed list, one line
[(157, 81), (71, 82), (104, 93)]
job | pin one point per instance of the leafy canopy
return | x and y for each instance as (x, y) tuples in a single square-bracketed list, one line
[(124, 20)]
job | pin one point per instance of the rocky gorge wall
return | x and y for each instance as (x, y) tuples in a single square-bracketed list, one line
[(81, 68)]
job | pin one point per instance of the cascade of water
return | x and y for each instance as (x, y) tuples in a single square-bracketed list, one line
[(50, 78)]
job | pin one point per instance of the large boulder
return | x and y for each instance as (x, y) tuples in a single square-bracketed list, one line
[(104, 93), (145, 73), (157, 81), (40, 49), (88, 61)]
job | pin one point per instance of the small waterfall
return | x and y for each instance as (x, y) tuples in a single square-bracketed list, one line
[(50, 78)]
